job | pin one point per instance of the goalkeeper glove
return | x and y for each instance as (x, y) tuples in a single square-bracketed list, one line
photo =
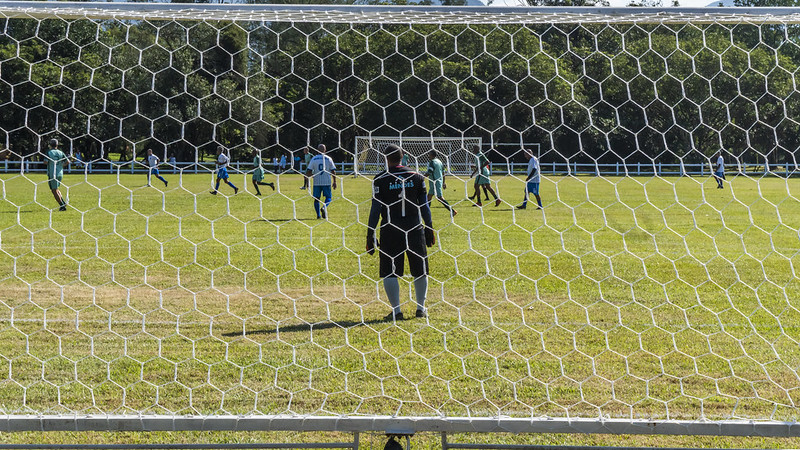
[(430, 237)]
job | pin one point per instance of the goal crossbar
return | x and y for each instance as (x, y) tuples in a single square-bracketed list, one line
[(392, 14), (410, 425)]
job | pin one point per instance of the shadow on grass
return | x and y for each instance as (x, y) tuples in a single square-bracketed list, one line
[(306, 327), (291, 219)]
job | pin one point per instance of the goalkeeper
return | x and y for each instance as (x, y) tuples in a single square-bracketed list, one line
[(400, 201)]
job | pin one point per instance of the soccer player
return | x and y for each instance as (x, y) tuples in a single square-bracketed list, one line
[(222, 170), (323, 170), (482, 179), (56, 159), (436, 181), (307, 158), (719, 171), (404, 161), (152, 163), (532, 182), (400, 202), (258, 174)]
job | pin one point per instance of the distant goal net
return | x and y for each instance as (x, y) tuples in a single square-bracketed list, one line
[(655, 291), (457, 154)]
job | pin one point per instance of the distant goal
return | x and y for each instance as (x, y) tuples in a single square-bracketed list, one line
[(457, 153)]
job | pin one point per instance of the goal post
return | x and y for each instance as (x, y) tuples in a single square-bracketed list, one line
[(635, 301), (458, 153)]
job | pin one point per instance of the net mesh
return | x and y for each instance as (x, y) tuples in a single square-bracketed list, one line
[(640, 291)]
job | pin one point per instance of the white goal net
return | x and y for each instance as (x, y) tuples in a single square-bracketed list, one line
[(655, 291), (457, 154)]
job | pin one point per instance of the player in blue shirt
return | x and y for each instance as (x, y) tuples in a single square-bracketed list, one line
[(222, 170), (152, 162), (719, 171), (532, 182)]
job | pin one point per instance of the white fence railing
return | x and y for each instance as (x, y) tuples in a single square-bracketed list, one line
[(517, 168), (101, 166)]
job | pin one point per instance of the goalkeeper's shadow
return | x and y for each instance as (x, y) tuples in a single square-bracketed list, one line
[(306, 327)]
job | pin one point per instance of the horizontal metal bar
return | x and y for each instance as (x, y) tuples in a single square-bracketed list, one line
[(406, 15), (770, 428), (560, 447), (374, 9), (175, 446)]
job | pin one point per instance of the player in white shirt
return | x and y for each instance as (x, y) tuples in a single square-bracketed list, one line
[(323, 171), (283, 163), (532, 181), (719, 171), (152, 163), (222, 170)]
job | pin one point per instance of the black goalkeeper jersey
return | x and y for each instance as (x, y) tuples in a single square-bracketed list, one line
[(399, 200)]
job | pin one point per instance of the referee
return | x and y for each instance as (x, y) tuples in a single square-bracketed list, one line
[(399, 199)]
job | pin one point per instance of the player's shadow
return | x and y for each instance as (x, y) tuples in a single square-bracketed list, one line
[(283, 219), (306, 327)]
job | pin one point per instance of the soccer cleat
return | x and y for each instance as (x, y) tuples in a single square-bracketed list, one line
[(213, 192), (421, 314), (477, 205), (522, 206), (166, 183), (258, 193), (272, 185), (235, 191), (454, 212), (62, 207), (393, 317), (302, 188), (324, 213), (497, 202)]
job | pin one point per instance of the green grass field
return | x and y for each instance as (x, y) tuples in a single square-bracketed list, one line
[(626, 297)]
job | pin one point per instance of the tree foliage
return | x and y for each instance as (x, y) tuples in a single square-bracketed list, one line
[(599, 92)]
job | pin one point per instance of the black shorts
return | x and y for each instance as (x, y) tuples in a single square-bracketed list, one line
[(394, 244)]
